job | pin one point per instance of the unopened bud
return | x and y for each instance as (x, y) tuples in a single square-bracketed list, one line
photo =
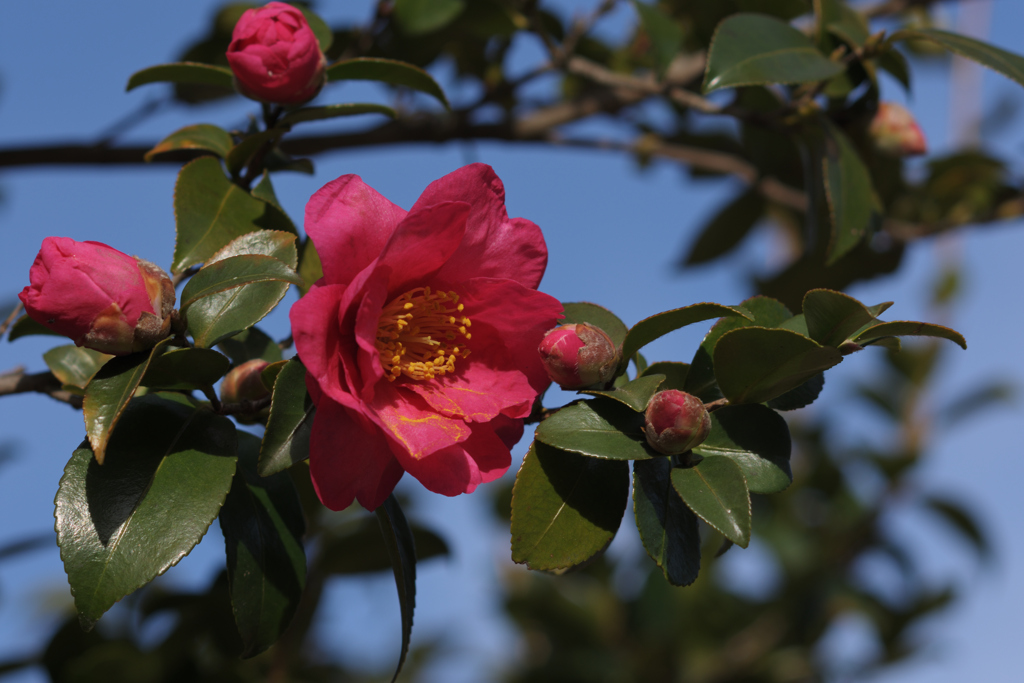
[(243, 384), (895, 131), (675, 422), (578, 355)]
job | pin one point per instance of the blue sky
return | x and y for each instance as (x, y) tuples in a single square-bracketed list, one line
[(63, 67)]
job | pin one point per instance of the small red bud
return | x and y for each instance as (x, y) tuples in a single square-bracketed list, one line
[(244, 383), (675, 422), (895, 131), (578, 355)]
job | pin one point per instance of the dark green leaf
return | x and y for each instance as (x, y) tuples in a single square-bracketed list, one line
[(664, 33), (358, 548), (844, 21), (834, 317), (635, 394), (755, 438), (801, 397), (263, 527), (234, 272), (242, 153), (389, 71), (893, 61), (599, 429), (1007, 63), (193, 73), (402, 549), (598, 316), (271, 373), (909, 328), (728, 228), (73, 365), (200, 136), (675, 374), (756, 49), (185, 369), (265, 190), (716, 490), (423, 16), (249, 345), (649, 329), (26, 326), (332, 111), (962, 521), (286, 440), (849, 193), (324, 34), (167, 471), (755, 364), (668, 528), (566, 508), (310, 267)]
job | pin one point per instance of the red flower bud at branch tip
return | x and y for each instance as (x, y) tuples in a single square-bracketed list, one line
[(244, 383), (895, 131), (675, 422), (101, 298), (578, 355), (275, 56)]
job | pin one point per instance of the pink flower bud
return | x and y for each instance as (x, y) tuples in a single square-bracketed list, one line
[(895, 131), (275, 56), (675, 422), (244, 383), (578, 355), (99, 297)]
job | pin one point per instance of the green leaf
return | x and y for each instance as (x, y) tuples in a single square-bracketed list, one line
[(358, 548), (849, 192), (108, 393), (271, 373), (233, 272), (598, 316), (402, 549), (755, 364), (757, 49), (757, 439), (26, 326), (264, 190), (674, 372), (834, 317), (74, 366), (286, 439), (119, 525), (598, 429), (193, 73), (909, 328), (566, 508), (200, 136), (390, 71), (1007, 63), (332, 111), (635, 394), (664, 33), (242, 153), (716, 490), (668, 529), (962, 521), (800, 397), (893, 61), (263, 527), (251, 344), (310, 267), (324, 34), (727, 228), (649, 329), (423, 16), (211, 211), (185, 369), (845, 22)]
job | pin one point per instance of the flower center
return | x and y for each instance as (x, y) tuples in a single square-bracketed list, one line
[(417, 334)]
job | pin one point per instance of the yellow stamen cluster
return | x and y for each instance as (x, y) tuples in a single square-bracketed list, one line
[(417, 334)]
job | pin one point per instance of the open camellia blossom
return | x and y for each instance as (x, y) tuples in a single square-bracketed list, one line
[(420, 341)]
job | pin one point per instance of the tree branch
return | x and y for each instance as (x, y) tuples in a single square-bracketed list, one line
[(17, 381)]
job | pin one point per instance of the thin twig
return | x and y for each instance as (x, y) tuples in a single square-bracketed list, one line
[(243, 407), (17, 381), (10, 319)]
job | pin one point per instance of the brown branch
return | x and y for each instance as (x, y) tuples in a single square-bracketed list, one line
[(10, 319), (17, 381)]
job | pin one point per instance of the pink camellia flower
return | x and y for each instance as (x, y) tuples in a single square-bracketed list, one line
[(578, 355), (895, 131), (420, 340), (99, 297), (275, 56)]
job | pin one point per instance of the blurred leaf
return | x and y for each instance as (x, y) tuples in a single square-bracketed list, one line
[(399, 541), (286, 439), (324, 34), (834, 317), (185, 369), (893, 61), (121, 524), (757, 49), (251, 344), (598, 429), (658, 325), (973, 402), (73, 365), (26, 326), (332, 111), (962, 521), (598, 316), (263, 527), (199, 136), (668, 528), (566, 508), (1007, 63), (800, 397), (664, 33), (907, 328), (849, 193), (423, 16), (716, 490), (727, 229), (674, 372), (390, 71), (844, 21), (360, 549), (183, 72), (635, 394), (757, 439)]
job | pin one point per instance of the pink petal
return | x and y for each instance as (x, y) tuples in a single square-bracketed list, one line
[(416, 429), (423, 242), (316, 330), (460, 468)]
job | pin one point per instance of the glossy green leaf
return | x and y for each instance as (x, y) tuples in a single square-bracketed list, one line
[(251, 344), (598, 316), (635, 394), (716, 490), (264, 190), (200, 136), (757, 439), (390, 71), (73, 365), (358, 548), (1007, 63), (332, 111), (598, 429), (324, 34), (668, 528), (755, 364), (119, 525), (849, 193), (234, 272), (286, 439), (423, 16), (649, 329), (242, 153), (26, 326), (674, 372), (192, 73), (211, 211), (185, 369), (263, 527), (909, 328), (833, 317), (757, 49), (728, 228), (566, 508), (800, 397), (402, 549), (108, 393), (664, 33)]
